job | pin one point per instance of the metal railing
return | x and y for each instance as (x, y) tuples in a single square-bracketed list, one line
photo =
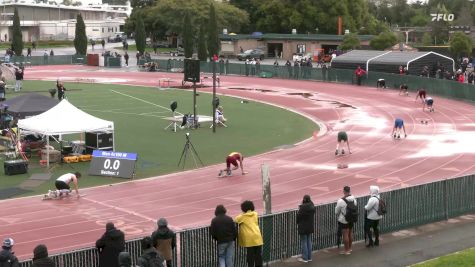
[(407, 207)]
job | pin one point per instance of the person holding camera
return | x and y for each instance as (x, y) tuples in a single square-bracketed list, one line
[(61, 90)]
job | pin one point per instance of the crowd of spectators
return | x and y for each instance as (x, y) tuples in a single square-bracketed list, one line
[(157, 249)]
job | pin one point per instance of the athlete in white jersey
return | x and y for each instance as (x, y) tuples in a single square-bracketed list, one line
[(62, 183)]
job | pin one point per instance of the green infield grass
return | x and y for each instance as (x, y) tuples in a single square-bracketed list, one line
[(464, 258), (138, 114)]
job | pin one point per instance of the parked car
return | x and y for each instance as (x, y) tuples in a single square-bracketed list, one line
[(251, 53), (177, 53), (117, 38)]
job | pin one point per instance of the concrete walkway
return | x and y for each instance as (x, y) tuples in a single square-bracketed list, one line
[(401, 248)]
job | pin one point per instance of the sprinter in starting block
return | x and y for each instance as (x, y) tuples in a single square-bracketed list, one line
[(57, 194)]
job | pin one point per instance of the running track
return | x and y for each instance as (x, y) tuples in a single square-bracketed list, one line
[(439, 150)]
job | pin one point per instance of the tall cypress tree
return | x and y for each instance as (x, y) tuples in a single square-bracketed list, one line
[(80, 37), (140, 41), (187, 36), (213, 39), (17, 40), (202, 53)]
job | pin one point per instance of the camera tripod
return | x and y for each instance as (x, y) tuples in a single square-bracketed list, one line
[(189, 146)]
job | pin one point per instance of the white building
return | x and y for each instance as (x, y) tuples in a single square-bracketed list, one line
[(58, 22)]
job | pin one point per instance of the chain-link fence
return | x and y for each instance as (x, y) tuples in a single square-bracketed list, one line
[(441, 87), (407, 207)]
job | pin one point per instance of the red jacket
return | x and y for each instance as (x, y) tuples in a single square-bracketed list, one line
[(360, 72)]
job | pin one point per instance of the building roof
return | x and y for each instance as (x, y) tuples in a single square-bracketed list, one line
[(285, 36), (399, 58), (103, 8)]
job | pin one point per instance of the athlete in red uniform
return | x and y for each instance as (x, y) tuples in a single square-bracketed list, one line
[(422, 94), (235, 158)]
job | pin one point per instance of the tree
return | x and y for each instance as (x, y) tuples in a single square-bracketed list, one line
[(80, 38), (383, 40), (350, 41), (161, 18), (202, 52), (17, 40), (460, 45), (426, 39), (212, 36), (140, 39), (187, 36)]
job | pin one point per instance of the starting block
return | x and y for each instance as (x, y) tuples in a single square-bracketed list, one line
[(56, 194)]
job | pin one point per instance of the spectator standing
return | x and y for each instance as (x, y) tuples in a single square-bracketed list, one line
[(137, 55), (61, 90), (40, 257), (110, 245), (51, 53), (359, 72), (150, 256), (2, 91), (126, 58), (226, 64), (289, 68), (103, 43), (372, 217), (164, 240), (253, 67), (306, 227), (6, 255), (93, 43), (470, 77), (33, 44), (246, 66), (296, 69), (221, 66), (249, 234), (18, 79), (258, 67), (346, 226), (223, 230), (28, 52)]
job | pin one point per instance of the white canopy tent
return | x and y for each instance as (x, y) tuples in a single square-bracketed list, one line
[(64, 118)]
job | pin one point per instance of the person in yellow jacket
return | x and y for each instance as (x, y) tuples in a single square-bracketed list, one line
[(249, 234)]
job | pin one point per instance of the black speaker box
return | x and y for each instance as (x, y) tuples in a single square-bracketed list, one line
[(12, 167), (99, 140), (192, 70)]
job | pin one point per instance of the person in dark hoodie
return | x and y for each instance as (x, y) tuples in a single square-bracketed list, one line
[(110, 245), (164, 240), (6, 255), (306, 227), (124, 259), (150, 256), (40, 257), (223, 230)]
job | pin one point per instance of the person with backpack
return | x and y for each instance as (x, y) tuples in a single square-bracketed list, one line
[(374, 210), (7, 259), (150, 256), (347, 211), (164, 240)]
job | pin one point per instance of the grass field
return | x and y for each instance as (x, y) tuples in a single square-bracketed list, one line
[(464, 258), (138, 114)]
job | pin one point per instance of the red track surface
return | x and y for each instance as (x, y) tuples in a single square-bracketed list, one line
[(441, 149)]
